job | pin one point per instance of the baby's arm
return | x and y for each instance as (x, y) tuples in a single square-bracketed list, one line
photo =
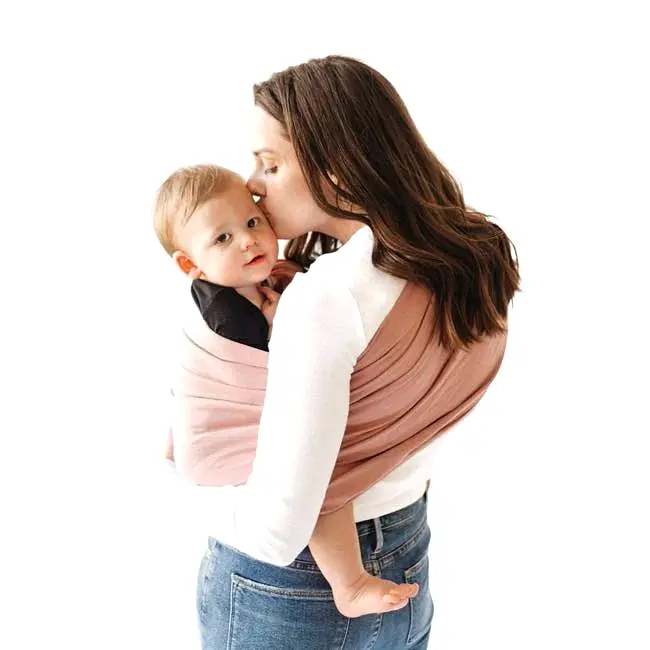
[(335, 547)]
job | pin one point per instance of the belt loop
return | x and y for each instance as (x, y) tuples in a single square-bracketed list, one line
[(379, 535)]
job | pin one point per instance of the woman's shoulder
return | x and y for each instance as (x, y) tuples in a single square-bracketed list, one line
[(348, 281), (350, 266), (313, 307)]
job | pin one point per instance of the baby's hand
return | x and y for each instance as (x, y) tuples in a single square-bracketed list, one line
[(270, 303)]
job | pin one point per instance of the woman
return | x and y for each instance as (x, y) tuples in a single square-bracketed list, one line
[(341, 169)]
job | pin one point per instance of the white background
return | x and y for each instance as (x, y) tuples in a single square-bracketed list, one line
[(539, 501)]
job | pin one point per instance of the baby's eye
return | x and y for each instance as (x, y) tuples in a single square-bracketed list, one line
[(254, 221), (271, 170), (223, 238)]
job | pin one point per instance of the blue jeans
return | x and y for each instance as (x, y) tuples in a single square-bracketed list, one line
[(244, 604)]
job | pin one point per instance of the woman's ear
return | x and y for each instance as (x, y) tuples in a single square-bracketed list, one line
[(186, 265), (338, 198)]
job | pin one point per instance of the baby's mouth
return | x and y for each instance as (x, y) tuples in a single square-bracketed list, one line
[(256, 260)]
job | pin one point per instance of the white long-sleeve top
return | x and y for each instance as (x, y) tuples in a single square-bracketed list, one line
[(324, 321)]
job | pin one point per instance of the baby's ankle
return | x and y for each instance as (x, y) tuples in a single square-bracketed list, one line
[(349, 590)]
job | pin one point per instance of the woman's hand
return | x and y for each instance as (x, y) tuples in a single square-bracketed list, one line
[(282, 274)]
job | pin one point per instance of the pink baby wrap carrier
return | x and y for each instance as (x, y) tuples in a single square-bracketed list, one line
[(405, 389)]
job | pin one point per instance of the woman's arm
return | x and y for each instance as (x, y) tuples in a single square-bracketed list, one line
[(318, 336)]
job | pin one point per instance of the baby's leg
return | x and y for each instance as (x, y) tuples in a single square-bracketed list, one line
[(335, 547)]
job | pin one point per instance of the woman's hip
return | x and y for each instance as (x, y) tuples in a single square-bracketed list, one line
[(246, 604)]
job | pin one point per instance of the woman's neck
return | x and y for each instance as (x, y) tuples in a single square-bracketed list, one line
[(341, 229)]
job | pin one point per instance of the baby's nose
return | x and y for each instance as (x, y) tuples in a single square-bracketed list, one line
[(248, 240)]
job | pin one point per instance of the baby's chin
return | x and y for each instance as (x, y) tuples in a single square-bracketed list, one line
[(264, 270)]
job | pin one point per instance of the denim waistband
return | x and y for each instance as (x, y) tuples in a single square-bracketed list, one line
[(382, 537), (379, 525)]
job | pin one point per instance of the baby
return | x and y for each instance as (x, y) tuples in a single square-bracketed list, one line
[(207, 221)]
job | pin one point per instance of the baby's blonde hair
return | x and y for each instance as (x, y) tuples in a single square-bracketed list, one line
[(184, 192)]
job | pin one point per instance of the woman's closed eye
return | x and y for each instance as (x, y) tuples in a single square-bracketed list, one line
[(270, 170)]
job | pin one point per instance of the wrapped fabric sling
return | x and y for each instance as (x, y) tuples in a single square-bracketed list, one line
[(405, 389)]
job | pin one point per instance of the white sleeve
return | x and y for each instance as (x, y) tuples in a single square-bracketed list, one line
[(317, 338)]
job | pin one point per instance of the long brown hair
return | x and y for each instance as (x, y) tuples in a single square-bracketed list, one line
[(345, 119)]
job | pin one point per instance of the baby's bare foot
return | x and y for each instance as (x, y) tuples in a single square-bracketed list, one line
[(372, 595)]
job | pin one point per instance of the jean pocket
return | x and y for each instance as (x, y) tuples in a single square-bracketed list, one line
[(264, 617), (422, 605)]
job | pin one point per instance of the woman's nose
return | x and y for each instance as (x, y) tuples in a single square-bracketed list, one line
[(255, 186)]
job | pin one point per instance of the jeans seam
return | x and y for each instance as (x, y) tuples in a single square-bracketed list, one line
[(416, 568), (387, 560), (345, 636), (233, 589), (410, 576), (375, 633), (208, 566), (401, 522), (318, 595)]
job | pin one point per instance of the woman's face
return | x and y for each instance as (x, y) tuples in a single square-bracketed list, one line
[(279, 182)]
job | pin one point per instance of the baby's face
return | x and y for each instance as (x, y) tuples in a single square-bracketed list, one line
[(230, 240)]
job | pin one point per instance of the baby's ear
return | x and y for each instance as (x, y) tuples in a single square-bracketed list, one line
[(186, 265)]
